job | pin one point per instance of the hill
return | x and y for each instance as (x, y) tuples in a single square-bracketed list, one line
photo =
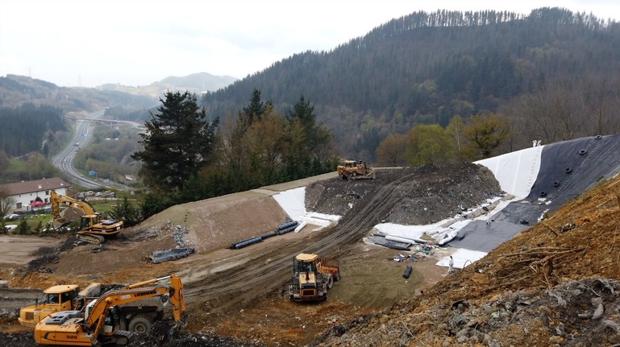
[(200, 82), (18, 90), (550, 67)]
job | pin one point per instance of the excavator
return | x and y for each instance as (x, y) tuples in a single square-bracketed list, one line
[(92, 228), (98, 323), (69, 297), (312, 278)]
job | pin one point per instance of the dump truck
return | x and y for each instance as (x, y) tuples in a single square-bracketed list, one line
[(93, 228), (355, 170), (312, 278), (100, 322), (69, 297)]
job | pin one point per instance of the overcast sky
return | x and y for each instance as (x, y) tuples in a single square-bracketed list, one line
[(134, 42)]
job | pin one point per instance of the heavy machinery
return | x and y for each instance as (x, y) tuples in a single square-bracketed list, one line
[(92, 228), (312, 278), (100, 322), (69, 297), (355, 170)]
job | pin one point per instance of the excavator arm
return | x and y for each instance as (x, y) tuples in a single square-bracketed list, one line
[(57, 199), (172, 292), (85, 328)]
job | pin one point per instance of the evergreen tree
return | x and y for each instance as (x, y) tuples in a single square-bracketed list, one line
[(254, 110), (179, 140)]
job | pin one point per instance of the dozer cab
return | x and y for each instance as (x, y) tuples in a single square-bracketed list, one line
[(312, 278), (57, 298), (355, 170), (92, 228)]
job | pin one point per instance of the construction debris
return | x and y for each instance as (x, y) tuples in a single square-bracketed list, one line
[(182, 249), (170, 254)]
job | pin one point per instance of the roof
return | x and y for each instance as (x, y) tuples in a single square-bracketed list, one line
[(33, 186), (306, 257), (63, 288)]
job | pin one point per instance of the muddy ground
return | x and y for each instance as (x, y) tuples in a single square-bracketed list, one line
[(371, 281), (432, 194), (232, 292)]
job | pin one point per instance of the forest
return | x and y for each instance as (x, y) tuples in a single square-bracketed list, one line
[(553, 74), (29, 128), (187, 157)]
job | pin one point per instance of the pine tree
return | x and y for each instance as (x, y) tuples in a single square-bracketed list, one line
[(254, 110), (179, 140)]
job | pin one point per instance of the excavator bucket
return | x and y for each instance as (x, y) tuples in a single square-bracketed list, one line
[(176, 297)]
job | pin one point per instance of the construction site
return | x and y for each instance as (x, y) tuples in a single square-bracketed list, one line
[(519, 249)]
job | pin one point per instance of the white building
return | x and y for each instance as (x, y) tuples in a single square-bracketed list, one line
[(27, 195)]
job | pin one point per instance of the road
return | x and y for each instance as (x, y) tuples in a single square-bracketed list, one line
[(64, 159)]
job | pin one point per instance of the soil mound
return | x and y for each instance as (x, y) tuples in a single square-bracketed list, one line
[(430, 195), (556, 283)]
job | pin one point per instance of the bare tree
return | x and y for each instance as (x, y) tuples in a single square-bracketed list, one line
[(6, 203)]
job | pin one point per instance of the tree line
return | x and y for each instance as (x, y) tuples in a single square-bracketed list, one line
[(426, 68), (189, 156), (481, 136)]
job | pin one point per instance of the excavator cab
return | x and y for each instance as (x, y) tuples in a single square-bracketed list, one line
[(87, 221)]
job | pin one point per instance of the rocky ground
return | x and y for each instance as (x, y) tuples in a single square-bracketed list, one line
[(432, 194), (554, 284)]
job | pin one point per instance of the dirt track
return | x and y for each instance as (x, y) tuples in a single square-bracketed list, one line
[(261, 273)]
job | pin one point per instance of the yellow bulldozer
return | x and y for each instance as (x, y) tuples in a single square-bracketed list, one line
[(100, 322), (93, 228), (355, 170), (312, 278)]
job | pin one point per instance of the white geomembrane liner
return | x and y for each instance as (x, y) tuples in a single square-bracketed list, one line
[(516, 172), (462, 257), (293, 202)]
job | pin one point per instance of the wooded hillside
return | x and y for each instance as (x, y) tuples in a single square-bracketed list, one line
[(553, 73)]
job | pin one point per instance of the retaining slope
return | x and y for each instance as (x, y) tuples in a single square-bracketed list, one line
[(567, 169)]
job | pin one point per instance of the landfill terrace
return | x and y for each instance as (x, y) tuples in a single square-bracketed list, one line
[(458, 254)]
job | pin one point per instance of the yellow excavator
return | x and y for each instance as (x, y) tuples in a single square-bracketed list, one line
[(98, 322), (92, 228)]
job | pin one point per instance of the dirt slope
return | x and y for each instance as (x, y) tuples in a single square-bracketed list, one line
[(533, 290), (431, 195)]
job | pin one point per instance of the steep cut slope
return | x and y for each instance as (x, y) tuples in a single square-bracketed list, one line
[(533, 290)]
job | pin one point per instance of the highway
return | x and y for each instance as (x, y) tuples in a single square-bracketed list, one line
[(81, 137)]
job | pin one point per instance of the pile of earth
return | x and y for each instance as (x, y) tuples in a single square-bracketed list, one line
[(553, 284), (432, 193)]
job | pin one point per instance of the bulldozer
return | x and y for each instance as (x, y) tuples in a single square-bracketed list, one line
[(355, 170), (312, 278), (93, 229), (100, 322)]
